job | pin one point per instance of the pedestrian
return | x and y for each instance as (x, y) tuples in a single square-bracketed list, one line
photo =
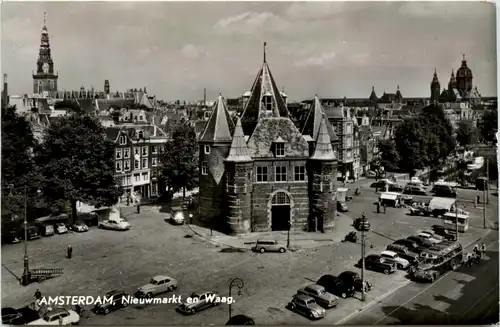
[(468, 262), (385, 208), (378, 207), (138, 208), (38, 294), (476, 249), (483, 249), (70, 251)]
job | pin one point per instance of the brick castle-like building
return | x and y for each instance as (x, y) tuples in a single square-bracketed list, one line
[(263, 173)]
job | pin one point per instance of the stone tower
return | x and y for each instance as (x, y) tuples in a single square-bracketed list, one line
[(322, 172), (239, 167), (464, 79), (435, 88), (215, 143), (106, 87), (45, 80)]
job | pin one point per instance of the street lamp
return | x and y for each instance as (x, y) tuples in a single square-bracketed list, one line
[(26, 271), (288, 234), (363, 245), (235, 282), (191, 218)]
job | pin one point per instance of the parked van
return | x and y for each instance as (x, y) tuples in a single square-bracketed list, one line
[(46, 230), (33, 232)]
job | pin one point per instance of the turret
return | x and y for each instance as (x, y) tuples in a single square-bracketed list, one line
[(215, 143), (435, 88), (323, 171), (239, 168)]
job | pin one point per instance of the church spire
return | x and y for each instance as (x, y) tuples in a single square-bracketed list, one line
[(265, 43)]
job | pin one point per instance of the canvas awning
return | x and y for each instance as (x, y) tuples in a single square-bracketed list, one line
[(389, 196), (441, 203)]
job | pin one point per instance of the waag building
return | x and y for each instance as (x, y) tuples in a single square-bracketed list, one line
[(262, 172)]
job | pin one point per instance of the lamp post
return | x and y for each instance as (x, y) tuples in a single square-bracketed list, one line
[(288, 234), (363, 245), (235, 282), (26, 271)]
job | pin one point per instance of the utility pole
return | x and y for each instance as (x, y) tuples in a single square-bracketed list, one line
[(363, 295), (487, 186), (484, 205), (456, 218), (26, 271)]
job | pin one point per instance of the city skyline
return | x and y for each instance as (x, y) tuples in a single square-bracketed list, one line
[(176, 53)]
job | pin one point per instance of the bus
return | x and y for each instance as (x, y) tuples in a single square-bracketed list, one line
[(437, 260), (450, 221)]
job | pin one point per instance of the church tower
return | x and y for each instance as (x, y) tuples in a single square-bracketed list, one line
[(239, 167), (435, 88), (464, 79), (215, 143), (322, 172), (45, 80)]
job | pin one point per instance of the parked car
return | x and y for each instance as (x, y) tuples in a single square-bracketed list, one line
[(335, 286), (445, 191), (378, 263), (11, 237), (429, 237), (362, 224), (46, 230), (306, 305), (268, 246), (409, 244), (433, 234), (61, 228), (444, 232), (120, 224), (239, 320), (421, 241), (320, 295), (177, 216), (117, 303), (371, 173), (202, 301), (342, 206), (157, 285), (26, 314), (33, 232), (414, 190), (80, 227), (402, 251), (11, 316), (352, 279), (400, 262), (53, 317)]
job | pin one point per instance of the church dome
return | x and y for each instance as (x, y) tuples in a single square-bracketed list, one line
[(464, 71)]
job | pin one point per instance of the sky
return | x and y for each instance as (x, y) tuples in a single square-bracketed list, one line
[(176, 49)]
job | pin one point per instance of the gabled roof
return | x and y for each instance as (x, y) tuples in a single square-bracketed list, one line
[(264, 85), (112, 133), (145, 101), (373, 96), (323, 148), (267, 131), (313, 121), (239, 150), (220, 126)]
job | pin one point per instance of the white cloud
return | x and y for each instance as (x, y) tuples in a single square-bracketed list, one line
[(361, 59), (442, 9), (316, 60), (251, 22), (192, 51), (315, 10)]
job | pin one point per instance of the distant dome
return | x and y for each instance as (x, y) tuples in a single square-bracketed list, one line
[(464, 71)]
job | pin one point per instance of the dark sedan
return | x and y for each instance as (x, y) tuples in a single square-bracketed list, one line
[(335, 286), (421, 241), (240, 320), (350, 278), (378, 263), (118, 302)]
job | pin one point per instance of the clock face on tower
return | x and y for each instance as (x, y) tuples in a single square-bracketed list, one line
[(46, 68)]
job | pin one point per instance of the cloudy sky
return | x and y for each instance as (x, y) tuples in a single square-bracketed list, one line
[(332, 49)]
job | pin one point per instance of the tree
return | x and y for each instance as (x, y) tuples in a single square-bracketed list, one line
[(68, 105), (77, 163), (425, 140), (466, 133), (389, 157), (488, 126), (180, 160)]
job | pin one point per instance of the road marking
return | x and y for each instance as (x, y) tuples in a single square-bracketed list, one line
[(424, 290), (477, 302)]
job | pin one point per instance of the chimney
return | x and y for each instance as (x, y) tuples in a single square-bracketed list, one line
[(204, 96)]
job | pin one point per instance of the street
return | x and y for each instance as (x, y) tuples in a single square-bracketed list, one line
[(106, 260), (468, 296)]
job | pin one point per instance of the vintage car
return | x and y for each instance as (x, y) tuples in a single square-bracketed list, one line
[(409, 244), (120, 224), (403, 252), (117, 303), (240, 320), (61, 228), (378, 263), (352, 279), (268, 246), (361, 224), (422, 242), (400, 262), (430, 237), (11, 316), (306, 305), (320, 295), (157, 285), (198, 302), (80, 227), (58, 316), (334, 285)]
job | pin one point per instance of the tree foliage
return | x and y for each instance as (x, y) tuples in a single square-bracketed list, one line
[(389, 156), (425, 140), (466, 133), (77, 163), (68, 105), (488, 126), (180, 160)]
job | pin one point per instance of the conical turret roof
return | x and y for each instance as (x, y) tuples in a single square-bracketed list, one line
[(323, 149), (313, 121), (239, 150), (435, 80), (220, 126)]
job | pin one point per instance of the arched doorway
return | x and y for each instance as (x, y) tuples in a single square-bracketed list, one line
[(280, 211)]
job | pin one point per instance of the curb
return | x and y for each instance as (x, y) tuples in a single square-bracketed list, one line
[(383, 296)]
